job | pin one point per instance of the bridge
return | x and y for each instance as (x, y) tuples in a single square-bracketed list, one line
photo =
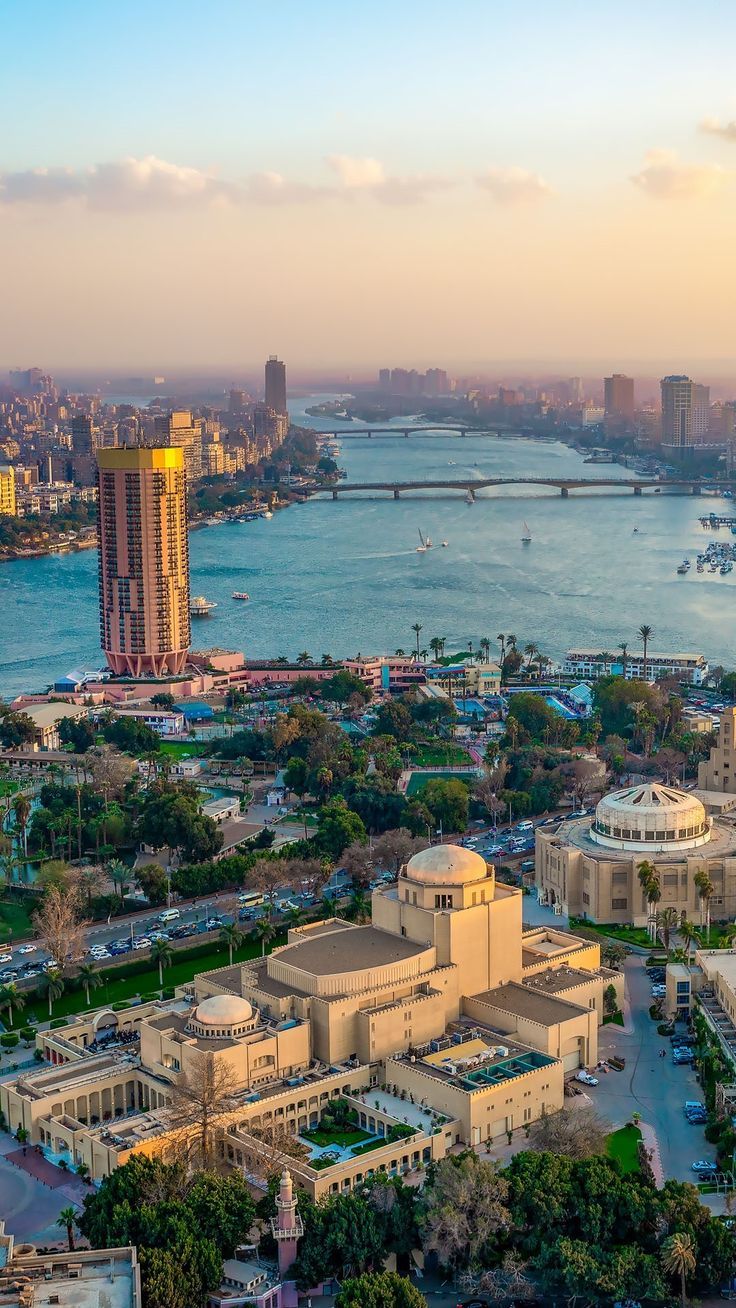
[(562, 484), (433, 429)]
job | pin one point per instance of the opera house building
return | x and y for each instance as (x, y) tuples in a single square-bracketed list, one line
[(442, 1023)]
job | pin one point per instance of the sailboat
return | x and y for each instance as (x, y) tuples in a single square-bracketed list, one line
[(526, 535), (424, 544)]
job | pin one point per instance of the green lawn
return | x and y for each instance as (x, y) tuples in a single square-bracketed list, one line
[(418, 780), (626, 934), (441, 754), (622, 1145), (183, 748), (14, 917), (335, 1135), (616, 1019), (7, 786), (117, 987)]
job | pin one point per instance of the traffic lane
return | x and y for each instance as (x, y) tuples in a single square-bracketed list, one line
[(650, 1084)]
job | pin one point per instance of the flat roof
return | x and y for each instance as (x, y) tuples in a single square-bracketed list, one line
[(544, 1009), (93, 1287), (348, 950), (47, 715)]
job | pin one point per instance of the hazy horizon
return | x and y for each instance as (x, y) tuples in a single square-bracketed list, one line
[(540, 187)]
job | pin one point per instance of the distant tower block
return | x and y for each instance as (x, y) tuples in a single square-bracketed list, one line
[(287, 1225)]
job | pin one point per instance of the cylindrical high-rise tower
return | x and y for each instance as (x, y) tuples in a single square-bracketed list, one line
[(143, 560)]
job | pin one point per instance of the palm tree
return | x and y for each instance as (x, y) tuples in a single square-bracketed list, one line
[(232, 936), (687, 933), (650, 885), (304, 657), (624, 655), (89, 977), (68, 1219), (118, 873), (531, 651), (21, 806), (435, 645), (294, 917), (10, 998), (666, 923), (400, 653), (326, 660), (325, 779), (264, 930), (645, 633), (416, 628), (502, 642), (705, 889), (360, 906), (678, 1259), (51, 985), (162, 954)]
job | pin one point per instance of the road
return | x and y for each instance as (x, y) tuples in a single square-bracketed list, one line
[(652, 1085)]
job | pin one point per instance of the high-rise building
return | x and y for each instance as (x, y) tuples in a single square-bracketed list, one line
[(84, 434), (178, 429), (7, 492), (384, 379), (618, 395), (685, 411), (143, 560), (276, 385)]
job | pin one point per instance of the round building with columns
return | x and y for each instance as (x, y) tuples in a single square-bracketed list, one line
[(589, 866)]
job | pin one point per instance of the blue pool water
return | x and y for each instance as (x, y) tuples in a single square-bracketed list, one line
[(561, 708)]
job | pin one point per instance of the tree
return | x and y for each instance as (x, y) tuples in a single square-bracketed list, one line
[(666, 923), (89, 978), (11, 998), (162, 700), (264, 930), (533, 714), (232, 937), (688, 934), (678, 1259), (416, 628), (77, 732), (131, 735), (21, 806), (340, 688), (613, 954), (198, 1098), (16, 729), (465, 1210), (162, 955), (649, 883), (359, 908), (119, 874), (171, 816), (357, 860), (610, 1001), (304, 658), (705, 890), (645, 632), (574, 1132), (296, 773), (394, 848), (152, 880), (448, 802), (379, 1290), (67, 1220), (51, 984), (60, 925), (393, 719), (338, 828)]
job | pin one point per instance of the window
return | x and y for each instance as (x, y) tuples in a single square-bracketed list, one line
[(619, 903)]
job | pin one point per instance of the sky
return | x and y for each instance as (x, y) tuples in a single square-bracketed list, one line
[(360, 185)]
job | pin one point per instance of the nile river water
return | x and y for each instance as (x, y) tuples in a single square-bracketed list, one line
[(342, 577)]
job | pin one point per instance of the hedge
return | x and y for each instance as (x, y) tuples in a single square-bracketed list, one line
[(167, 992), (57, 1021), (28, 1033), (9, 1040)]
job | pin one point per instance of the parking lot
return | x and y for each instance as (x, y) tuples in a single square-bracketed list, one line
[(649, 1084)]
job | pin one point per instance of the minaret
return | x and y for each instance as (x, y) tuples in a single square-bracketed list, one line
[(287, 1225)]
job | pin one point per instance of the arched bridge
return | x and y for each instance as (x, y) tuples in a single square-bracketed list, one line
[(562, 484), (435, 428)]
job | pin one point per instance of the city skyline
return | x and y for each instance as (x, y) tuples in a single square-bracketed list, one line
[(538, 210)]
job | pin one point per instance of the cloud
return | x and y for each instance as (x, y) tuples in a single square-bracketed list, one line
[(665, 178), (127, 184), (369, 176), (514, 185), (714, 127), (151, 183)]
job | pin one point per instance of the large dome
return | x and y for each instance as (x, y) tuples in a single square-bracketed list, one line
[(223, 1010), (650, 817), (446, 865)]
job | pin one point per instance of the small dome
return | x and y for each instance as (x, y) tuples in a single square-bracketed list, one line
[(649, 817), (446, 865), (223, 1010)]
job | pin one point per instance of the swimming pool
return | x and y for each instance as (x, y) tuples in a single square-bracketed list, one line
[(560, 708)]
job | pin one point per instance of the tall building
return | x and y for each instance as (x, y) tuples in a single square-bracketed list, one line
[(685, 411), (276, 385), (384, 379), (7, 492), (179, 430), (143, 560), (84, 434), (618, 395)]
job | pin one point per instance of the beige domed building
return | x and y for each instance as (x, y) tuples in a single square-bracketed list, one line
[(590, 866), (443, 1021)]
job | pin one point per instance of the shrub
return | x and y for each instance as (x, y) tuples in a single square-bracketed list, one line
[(167, 992), (151, 994), (118, 1008), (9, 1040), (57, 1022), (28, 1033)]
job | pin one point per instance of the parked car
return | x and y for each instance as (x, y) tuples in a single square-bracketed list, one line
[(683, 1056), (50, 965), (141, 942), (28, 949), (213, 924), (8, 975), (683, 1041), (6, 958), (119, 947), (586, 1078), (704, 1167)]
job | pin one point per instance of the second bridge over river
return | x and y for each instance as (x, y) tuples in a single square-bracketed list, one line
[(561, 484)]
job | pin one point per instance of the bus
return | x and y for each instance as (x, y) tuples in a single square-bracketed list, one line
[(251, 899)]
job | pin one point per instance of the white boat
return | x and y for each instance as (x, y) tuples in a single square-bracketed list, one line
[(470, 498), (200, 607), (682, 570), (526, 534), (267, 514), (241, 595), (444, 544), (423, 546)]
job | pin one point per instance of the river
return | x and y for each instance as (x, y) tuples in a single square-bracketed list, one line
[(342, 577)]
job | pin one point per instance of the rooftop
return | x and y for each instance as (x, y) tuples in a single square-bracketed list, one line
[(349, 950), (529, 1004), (84, 1279), (443, 865), (473, 1057)]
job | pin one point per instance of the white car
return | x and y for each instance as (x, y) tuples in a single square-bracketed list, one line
[(50, 965), (28, 949), (704, 1167), (586, 1078), (6, 958), (99, 952), (141, 942)]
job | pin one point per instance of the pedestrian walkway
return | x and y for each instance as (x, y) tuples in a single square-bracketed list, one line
[(40, 1168), (651, 1143)]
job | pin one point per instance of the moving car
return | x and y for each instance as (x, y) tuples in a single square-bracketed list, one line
[(586, 1078), (28, 949), (6, 958)]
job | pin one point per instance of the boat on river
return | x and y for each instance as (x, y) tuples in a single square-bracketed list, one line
[(241, 595), (200, 607), (526, 534)]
